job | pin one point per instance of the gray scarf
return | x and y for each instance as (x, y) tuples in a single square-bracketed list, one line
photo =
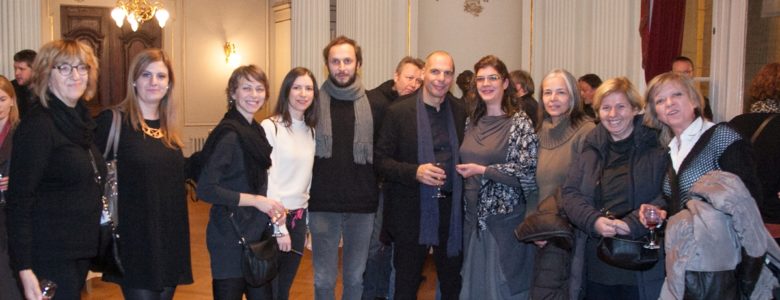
[(363, 142)]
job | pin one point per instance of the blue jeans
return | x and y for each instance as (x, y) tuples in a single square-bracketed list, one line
[(327, 228)]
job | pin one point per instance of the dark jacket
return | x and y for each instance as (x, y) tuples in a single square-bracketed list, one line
[(552, 265), (8, 283), (646, 166), (396, 158), (53, 201), (766, 147)]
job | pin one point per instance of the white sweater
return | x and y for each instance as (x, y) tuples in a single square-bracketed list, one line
[(292, 158)]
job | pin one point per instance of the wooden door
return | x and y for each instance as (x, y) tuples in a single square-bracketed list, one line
[(115, 47)]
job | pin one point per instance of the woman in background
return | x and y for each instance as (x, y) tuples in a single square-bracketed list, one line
[(9, 118), (588, 84), (290, 131), (234, 179), (765, 90), (153, 220), (621, 167), (54, 198), (524, 92), (498, 156)]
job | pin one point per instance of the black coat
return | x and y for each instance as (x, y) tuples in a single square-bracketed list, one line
[(396, 160), (647, 164)]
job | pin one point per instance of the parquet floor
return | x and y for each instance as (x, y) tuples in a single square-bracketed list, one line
[(303, 286)]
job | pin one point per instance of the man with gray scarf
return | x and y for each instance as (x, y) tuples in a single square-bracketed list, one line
[(344, 188)]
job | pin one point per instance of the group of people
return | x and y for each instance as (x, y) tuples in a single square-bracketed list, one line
[(388, 175)]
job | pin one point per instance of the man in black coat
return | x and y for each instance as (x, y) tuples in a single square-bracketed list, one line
[(418, 131), (406, 80), (23, 61)]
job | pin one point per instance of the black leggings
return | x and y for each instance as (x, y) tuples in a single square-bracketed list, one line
[(143, 294), (234, 288)]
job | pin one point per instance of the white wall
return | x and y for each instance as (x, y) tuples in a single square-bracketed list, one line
[(18, 16), (443, 25)]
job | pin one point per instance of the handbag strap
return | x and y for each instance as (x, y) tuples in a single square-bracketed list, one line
[(112, 144), (242, 239), (761, 128)]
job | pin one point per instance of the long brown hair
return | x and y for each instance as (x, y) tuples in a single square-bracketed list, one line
[(8, 88), (282, 109), (168, 110)]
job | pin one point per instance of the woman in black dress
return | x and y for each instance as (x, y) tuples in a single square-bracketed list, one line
[(153, 224), (55, 189), (234, 179)]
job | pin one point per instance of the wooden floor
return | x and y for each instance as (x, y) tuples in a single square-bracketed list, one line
[(303, 286)]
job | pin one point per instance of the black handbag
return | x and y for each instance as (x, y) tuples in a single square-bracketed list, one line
[(259, 260), (108, 259), (625, 253)]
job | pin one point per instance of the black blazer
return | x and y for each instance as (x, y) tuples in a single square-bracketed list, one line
[(396, 162)]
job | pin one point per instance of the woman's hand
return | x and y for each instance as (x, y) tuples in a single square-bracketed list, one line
[(272, 208), (468, 170), (429, 174), (284, 243), (3, 183), (611, 227), (643, 207), (541, 243), (32, 290)]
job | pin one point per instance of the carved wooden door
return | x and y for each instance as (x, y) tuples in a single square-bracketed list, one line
[(114, 46)]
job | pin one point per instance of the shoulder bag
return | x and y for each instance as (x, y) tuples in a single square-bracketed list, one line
[(259, 260), (108, 259)]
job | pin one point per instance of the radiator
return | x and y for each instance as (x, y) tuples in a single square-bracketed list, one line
[(196, 143)]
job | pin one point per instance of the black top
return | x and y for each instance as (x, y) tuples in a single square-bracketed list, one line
[(222, 180), (53, 201), (24, 98), (339, 184), (441, 142), (153, 220), (614, 181)]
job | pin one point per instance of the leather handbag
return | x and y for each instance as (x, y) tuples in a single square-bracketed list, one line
[(625, 253), (108, 259), (260, 259)]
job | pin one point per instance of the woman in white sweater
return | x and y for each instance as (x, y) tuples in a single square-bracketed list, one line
[(290, 130)]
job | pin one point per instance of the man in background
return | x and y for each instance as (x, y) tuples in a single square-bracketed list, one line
[(23, 61)]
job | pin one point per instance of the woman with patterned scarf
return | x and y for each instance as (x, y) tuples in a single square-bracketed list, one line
[(498, 157)]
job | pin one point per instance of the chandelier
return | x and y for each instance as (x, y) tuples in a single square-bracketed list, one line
[(139, 11)]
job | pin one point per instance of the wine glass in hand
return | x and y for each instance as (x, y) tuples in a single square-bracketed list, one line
[(438, 194), (652, 219)]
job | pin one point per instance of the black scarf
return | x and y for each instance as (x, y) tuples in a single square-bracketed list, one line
[(73, 122), (257, 150)]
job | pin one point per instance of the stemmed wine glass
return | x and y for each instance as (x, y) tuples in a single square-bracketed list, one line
[(438, 194), (652, 218), (47, 288)]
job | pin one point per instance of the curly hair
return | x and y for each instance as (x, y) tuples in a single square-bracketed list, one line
[(766, 84)]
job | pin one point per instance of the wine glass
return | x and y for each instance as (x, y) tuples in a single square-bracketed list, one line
[(438, 194), (652, 219), (48, 288), (277, 231)]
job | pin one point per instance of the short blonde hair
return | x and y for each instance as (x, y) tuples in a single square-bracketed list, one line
[(618, 85), (57, 52), (654, 87)]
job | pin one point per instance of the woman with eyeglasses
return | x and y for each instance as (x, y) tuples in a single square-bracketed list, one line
[(498, 157), (54, 199)]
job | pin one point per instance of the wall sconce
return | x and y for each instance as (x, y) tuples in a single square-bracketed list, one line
[(232, 58)]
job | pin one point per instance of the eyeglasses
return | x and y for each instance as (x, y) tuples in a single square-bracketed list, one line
[(490, 78), (66, 69)]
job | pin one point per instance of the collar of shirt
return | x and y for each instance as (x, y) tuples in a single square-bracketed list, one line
[(681, 145)]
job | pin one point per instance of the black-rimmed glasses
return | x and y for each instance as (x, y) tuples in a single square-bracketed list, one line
[(66, 69)]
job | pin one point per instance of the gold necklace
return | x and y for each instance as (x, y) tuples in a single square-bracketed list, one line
[(152, 132)]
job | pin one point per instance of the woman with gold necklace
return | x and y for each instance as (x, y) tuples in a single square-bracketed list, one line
[(153, 224)]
